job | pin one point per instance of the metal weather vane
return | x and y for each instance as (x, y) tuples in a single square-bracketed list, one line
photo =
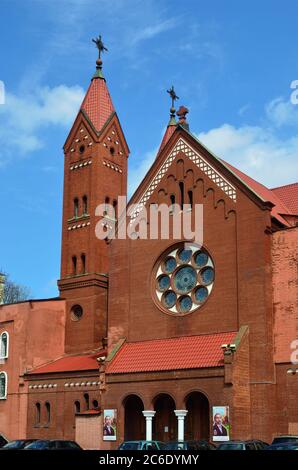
[(173, 95), (100, 46)]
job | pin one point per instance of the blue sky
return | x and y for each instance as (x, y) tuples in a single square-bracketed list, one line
[(231, 62)]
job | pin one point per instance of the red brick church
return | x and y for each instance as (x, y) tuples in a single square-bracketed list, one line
[(151, 337)]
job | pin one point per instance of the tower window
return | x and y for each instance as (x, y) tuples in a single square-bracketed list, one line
[(82, 149), (4, 340), (95, 404), (76, 313), (77, 407), (48, 412), (3, 385), (112, 150), (37, 414), (107, 203), (76, 207), (86, 398), (85, 205), (83, 263), (74, 265)]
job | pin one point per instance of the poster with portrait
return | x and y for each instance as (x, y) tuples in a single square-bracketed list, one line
[(109, 425), (221, 423)]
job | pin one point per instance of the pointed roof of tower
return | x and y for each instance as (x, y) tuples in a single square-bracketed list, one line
[(97, 104)]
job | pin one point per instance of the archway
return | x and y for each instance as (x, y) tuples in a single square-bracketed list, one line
[(197, 421), (134, 421), (164, 421)]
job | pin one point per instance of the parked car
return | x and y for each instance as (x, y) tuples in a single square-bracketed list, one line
[(141, 445), (18, 444), (53, 444), (283, 446), (284, 438), (252, 444), (3, 440), (189, 445)]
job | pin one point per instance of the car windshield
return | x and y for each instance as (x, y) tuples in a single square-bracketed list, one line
[(234, 446), (38, 445), (130, 446), (14, 445), (279, 440)]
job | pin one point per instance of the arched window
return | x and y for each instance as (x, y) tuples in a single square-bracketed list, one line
[(85, 205), (107, 203), (76, 207), (74, 265), (190, 198), (83, 263), (4, 344), (95, 404), (77, 407), (173, 200), (86, 398), (3, 385), (37, 414), (48, 413), (181, 187)]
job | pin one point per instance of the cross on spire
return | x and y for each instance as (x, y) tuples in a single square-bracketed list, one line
[(101, 48)]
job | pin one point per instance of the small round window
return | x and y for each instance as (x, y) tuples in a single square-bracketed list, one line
[(183, 279), (76, 313)]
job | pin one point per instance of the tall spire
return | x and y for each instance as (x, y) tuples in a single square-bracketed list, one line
[(97, 105), (172, 122)]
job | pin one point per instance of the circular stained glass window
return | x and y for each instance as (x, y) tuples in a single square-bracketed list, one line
[(184, 278), (170, 264), (200, 259), (184, 255), (201, 294), (163, 283), (185, 304), (207, 276), (169, 299)]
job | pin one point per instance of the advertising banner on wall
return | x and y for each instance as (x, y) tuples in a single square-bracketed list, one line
[(221, 423), (109, 425)]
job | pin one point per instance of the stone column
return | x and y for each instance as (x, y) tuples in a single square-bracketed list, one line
[(181, 416), (149, 415)]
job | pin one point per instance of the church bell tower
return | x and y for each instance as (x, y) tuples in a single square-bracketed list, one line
[(95, 172)]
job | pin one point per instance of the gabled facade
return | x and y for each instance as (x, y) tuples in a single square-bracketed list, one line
[(159, 332)]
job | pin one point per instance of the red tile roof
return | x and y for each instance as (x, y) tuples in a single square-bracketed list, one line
[(186, 352), (288, 195), (265, 193), (97, 103), (69, 364), (167, 135)]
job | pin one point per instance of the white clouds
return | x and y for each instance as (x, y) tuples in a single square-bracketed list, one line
[(151, 31), (281, 112), (257, 151), (23, 118)]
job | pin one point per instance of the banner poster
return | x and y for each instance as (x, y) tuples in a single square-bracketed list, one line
[(221, 423), (109, 425)]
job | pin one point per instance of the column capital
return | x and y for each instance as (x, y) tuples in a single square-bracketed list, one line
[(149, 413), (180, 413)]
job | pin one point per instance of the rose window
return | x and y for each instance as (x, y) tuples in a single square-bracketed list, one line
[(184, 279)]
